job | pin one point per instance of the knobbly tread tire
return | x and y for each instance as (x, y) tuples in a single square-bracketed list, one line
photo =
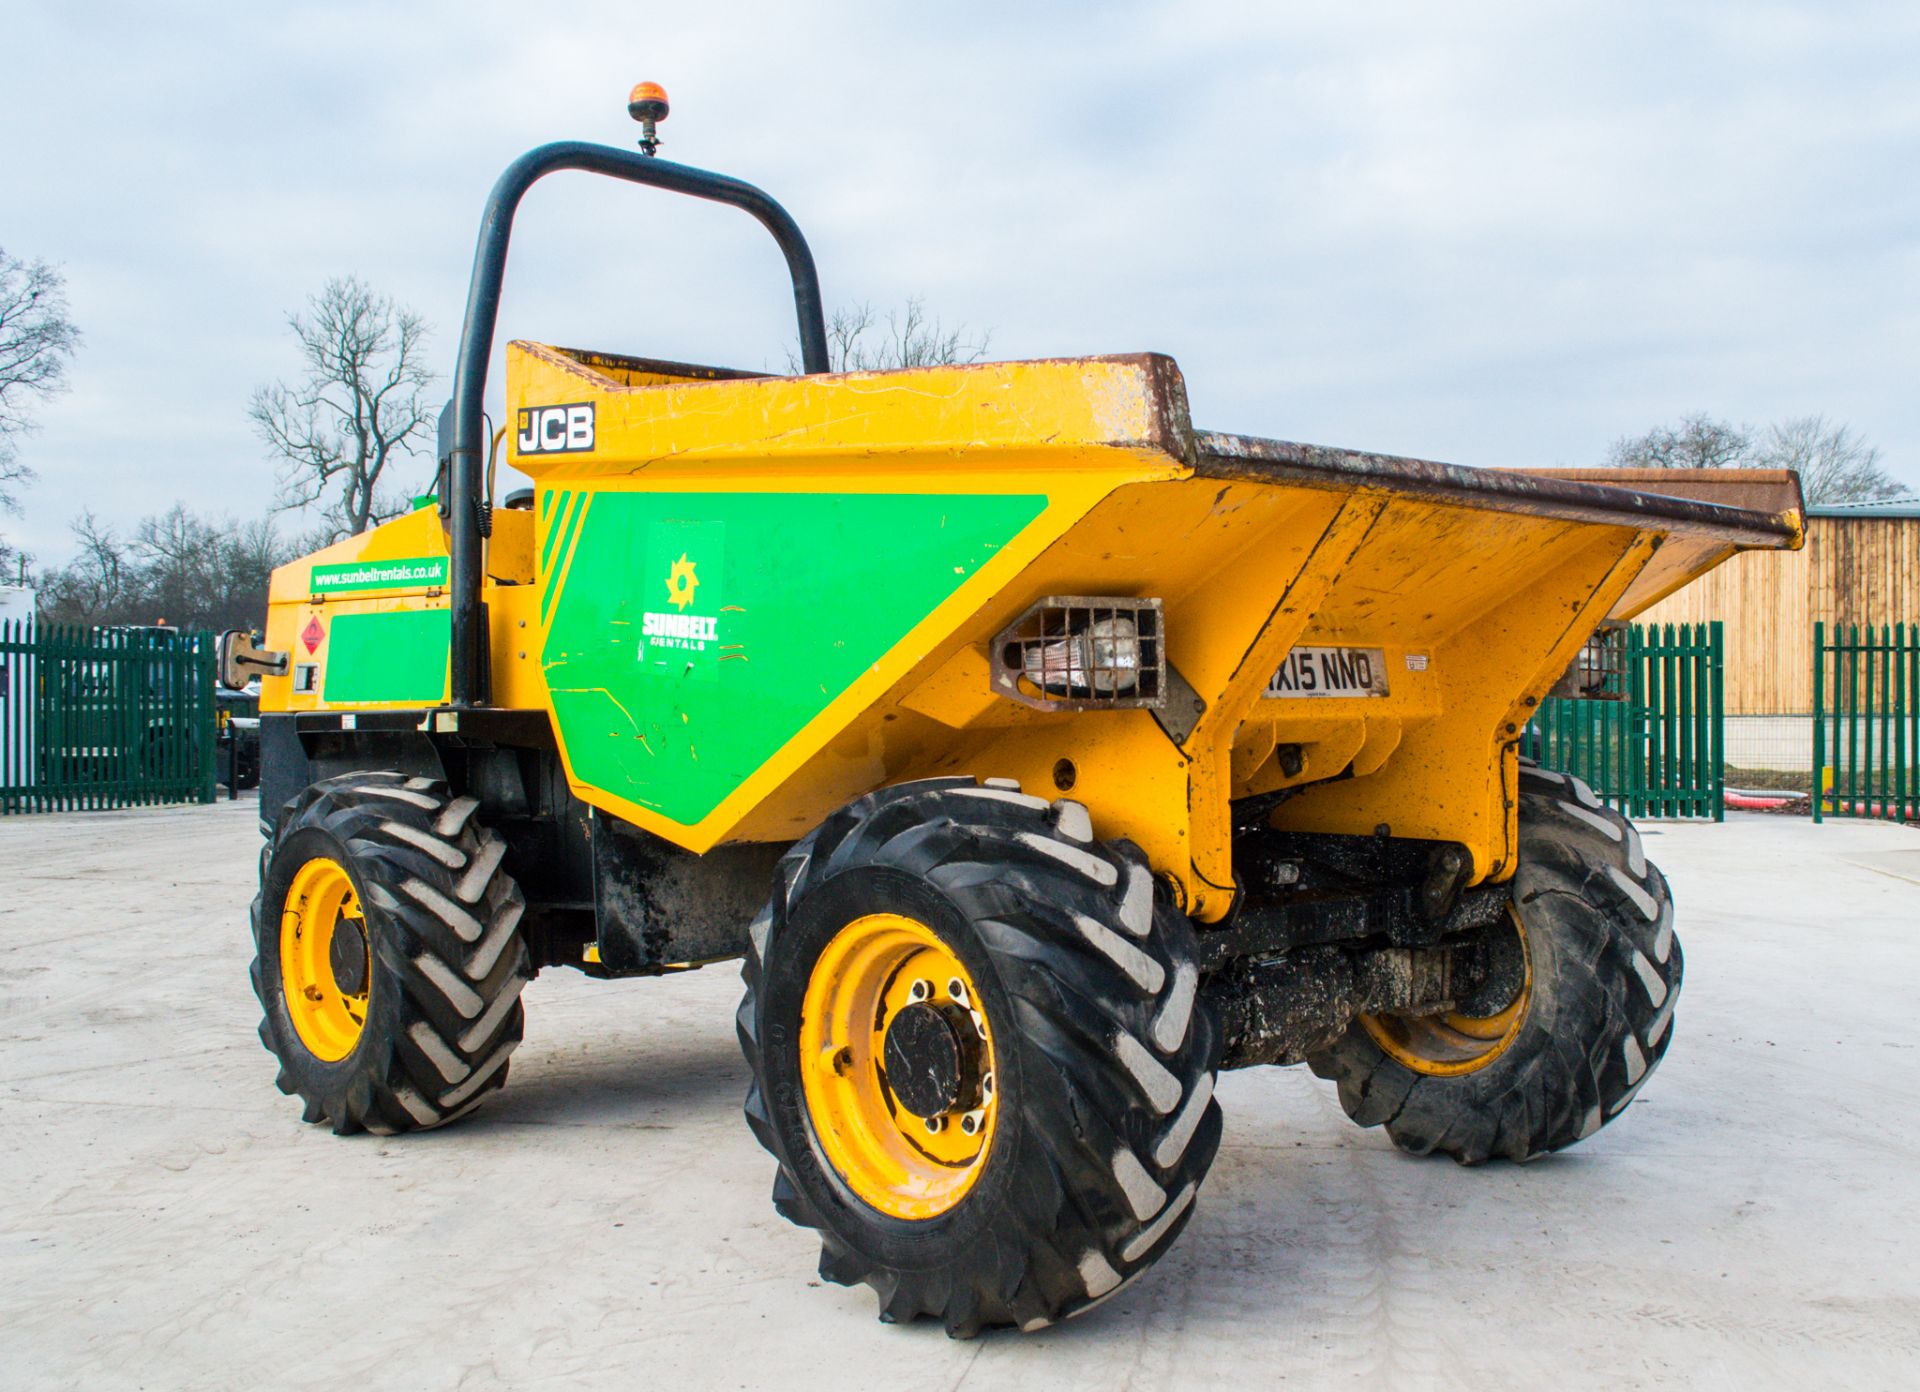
[(447, 959), (1607, 971), (1092, 1059)]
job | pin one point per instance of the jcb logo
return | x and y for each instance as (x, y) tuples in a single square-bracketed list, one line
[(556, 429)]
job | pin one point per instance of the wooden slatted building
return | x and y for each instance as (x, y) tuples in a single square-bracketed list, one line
[(1861, 565)]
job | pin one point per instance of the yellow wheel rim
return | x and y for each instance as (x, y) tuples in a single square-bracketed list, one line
[(323, 934), (904, 1165), (1451, 1045)]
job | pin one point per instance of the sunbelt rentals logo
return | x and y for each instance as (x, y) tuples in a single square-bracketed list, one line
[(691, 632), (681, 638)]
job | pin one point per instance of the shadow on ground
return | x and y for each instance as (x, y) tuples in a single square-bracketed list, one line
[(612, 1083)]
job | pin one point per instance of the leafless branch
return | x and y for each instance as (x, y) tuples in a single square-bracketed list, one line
[(361, 405), (195, 571), (1699, 442), (1835, 465), (37, 339), (856, 342)]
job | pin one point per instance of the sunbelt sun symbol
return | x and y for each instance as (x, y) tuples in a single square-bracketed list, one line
[(682, 582)]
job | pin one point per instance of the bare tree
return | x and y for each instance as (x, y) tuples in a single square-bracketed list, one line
[(248, 554), (857, 342), (175, 556), (93, 586), (1700, 442), (13, 563), (36, 341), (1835, 465), (193, 571), (360, 405)]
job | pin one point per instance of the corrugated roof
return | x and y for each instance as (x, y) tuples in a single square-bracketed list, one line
[(1884, 507)]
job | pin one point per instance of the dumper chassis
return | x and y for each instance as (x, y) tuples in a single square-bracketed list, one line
[(1037, 755)]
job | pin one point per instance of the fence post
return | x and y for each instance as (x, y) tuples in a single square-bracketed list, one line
[(1893, 782), (1688, 666), (1819, 709), (1855, 654), (1632, 745), (1868, 768), (13, 668), (204, 712), (1887, 720), (1670, 723), (1913, 713), (1910, 703), (1896, 780), (1717, 718)]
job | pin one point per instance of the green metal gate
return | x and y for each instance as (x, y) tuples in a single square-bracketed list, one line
[(104, 717), (1649, 734), (1866, 722)]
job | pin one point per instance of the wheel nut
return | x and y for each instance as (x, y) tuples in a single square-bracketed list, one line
[(986, 1085), (920, 989), (935, 1125), (971, 1122), (958, 990)]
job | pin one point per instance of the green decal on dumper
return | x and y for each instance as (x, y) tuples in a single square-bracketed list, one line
[(400, 655), (698, 632)]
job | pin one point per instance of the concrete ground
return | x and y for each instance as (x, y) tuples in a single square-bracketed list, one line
[(167, 1221)]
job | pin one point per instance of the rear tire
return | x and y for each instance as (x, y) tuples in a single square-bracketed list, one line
[(1105, 1123), (1605, 969), (411, 1021)]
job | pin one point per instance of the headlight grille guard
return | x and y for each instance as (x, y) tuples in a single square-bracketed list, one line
[(1084, 652)]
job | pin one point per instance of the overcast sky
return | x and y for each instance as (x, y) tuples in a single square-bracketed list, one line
[(1497, 234)]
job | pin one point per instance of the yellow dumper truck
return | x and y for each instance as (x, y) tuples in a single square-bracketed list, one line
[(1038, 754)]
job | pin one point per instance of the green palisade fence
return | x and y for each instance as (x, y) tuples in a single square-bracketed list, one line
[(104, 717), (1655, 749), (1866, 721)]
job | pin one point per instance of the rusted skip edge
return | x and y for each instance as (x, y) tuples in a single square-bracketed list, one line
[(1315, 466)]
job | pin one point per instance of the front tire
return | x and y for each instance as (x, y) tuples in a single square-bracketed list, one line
[(1099, 1125), (1593, 1018), (388, 957)]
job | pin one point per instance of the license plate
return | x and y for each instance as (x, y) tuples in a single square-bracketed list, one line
[(1331, 672)]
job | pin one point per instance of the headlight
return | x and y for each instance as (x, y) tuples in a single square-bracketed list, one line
[(1074, 652), (1103, 659)]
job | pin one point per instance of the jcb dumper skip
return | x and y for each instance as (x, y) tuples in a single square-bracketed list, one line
[(1038, 753)]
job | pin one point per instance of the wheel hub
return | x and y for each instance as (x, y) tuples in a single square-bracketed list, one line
[(933, 1056), (1499, 974), (325, 973), (1479, 1028), (898, 1066), (347, 957)]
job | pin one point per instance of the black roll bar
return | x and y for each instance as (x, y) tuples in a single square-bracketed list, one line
[(461, 438)]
